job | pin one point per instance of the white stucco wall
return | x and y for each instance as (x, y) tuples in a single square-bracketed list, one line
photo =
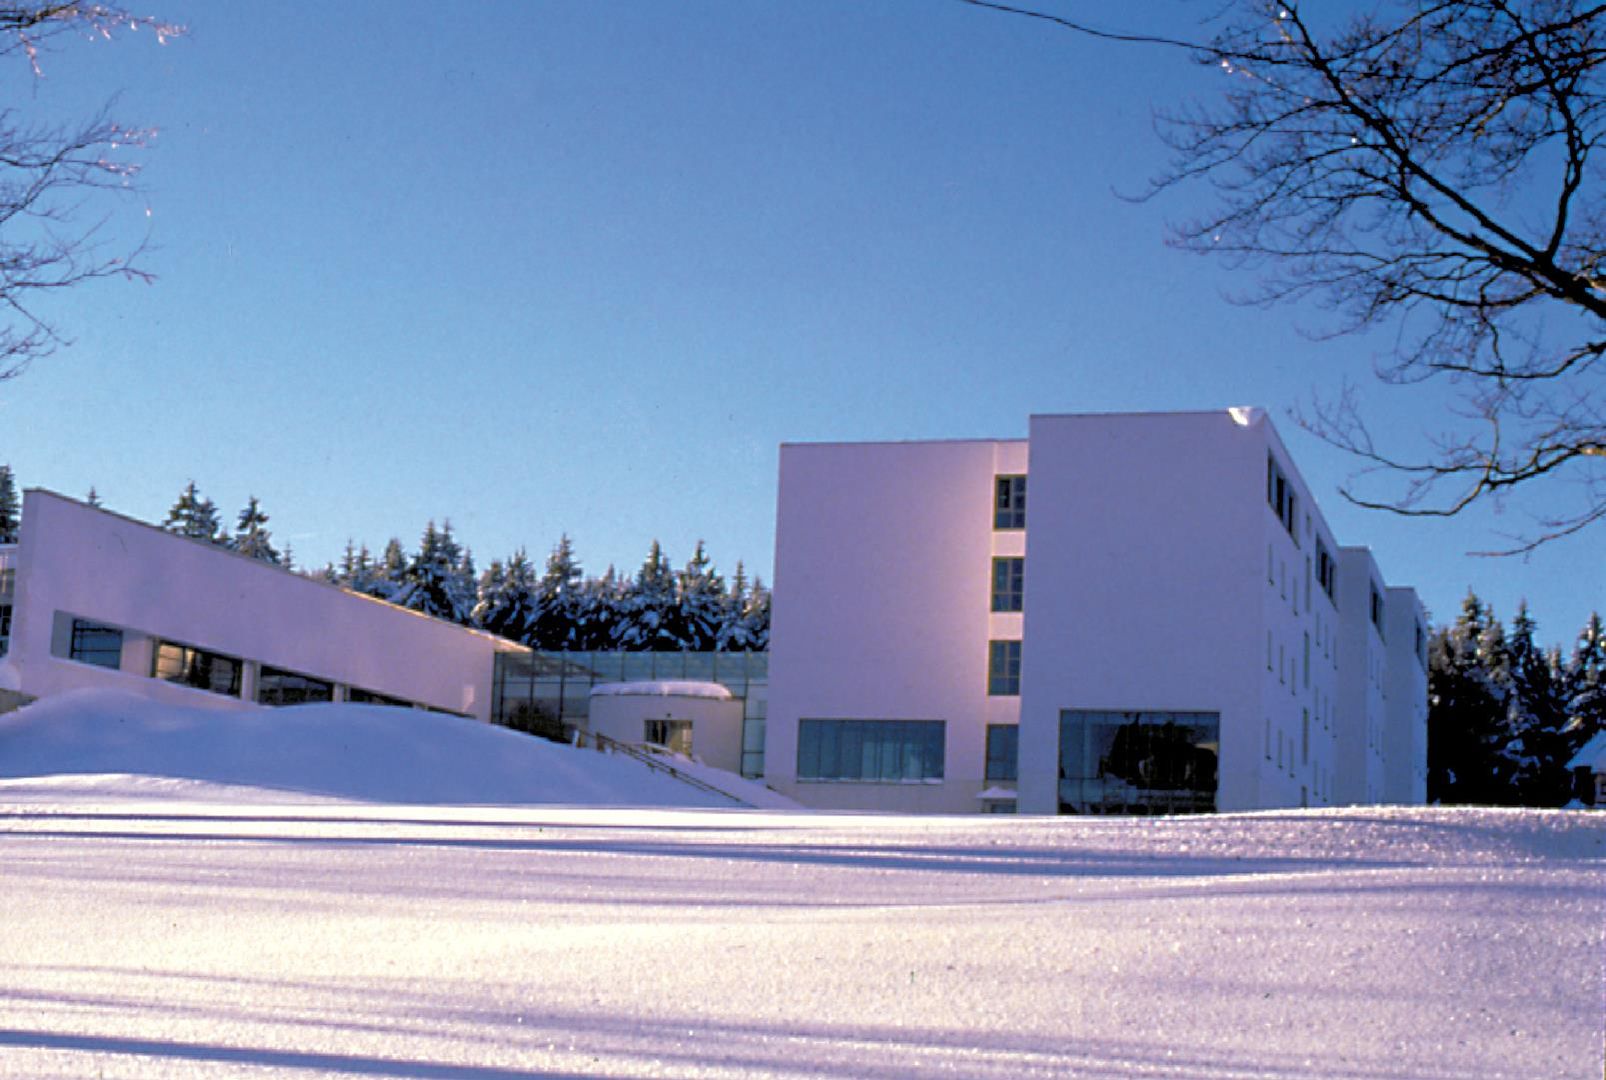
[(1405, 743), (1143, 582), (1362, 664), (1157, 579), (716, 722), (79, 561), (882, 590)]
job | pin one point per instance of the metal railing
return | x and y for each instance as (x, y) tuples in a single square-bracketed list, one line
[(583, 738)]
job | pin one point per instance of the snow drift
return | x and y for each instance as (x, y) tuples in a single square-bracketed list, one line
[(369, 752)]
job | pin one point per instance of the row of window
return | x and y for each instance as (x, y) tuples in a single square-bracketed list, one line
[(216, 673), (893, 751)]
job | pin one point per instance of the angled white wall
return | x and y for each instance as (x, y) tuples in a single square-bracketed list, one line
[(77, 561)]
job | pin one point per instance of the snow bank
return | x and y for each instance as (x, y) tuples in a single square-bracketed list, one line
[(367, 752)]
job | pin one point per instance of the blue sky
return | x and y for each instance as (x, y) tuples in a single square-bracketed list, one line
[(551, 267)]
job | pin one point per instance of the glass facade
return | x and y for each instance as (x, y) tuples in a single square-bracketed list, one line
[(1138, 762), (189, 666), (96, 644), (1003, 752), (887, 751), (276, 686), (550, 692)]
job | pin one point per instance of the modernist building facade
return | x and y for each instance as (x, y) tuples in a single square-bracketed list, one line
[(94, 599), (1118, 614), (89, 598)]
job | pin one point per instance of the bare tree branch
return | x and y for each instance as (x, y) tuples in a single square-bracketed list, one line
[(1431, 166), (49, 176)]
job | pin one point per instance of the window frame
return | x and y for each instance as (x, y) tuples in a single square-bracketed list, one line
[(1009, 584), (836, 750), (1009, 501), (267, 673), (196, 667), (1002, 764), (78, 652), (1003, 667)]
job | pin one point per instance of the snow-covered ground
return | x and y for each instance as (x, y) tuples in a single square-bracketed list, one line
[(253, 932)]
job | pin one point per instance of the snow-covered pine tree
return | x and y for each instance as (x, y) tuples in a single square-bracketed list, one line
[(506, 598), (10, 507), (1535, 715), (1464, 713), (652, 607), (732, 635), (600, 603), (391, 574), (558, 603), (700, 596), (1586, 686), (756, 617), (195, 517), (251, 537), (428, 583)]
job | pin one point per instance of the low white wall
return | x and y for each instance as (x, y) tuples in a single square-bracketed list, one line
[(716, 737), (84, 562)]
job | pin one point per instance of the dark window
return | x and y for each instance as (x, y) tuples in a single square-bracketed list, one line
[(5, 628), (1003, 751), (1003, 668), (275, 686), (96, 644), (1326, 571), (871, 750), (1138, 762), (1377, 609), (189, 666), (1421, 646), (1009, 502), (673, 735), (1009, 583), (369, 697), (1281, 498)]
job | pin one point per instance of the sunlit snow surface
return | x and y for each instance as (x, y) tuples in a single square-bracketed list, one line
[(245, 932)]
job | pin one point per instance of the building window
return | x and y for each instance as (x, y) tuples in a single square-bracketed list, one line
[(190, 666), (1003, 752), (1009, 584), (890, 751), (275, 686), (1304, 737), (1138, 762), (1377, 609), (1003, 668), (1326, 571), (1421, 644), (95, 644), (1281, 498), (370, 697), (1305, 662), (672, 735), (5, 628), (1009, 502)]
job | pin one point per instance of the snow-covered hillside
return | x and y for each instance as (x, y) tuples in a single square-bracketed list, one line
[(345, 751), (241, 932)]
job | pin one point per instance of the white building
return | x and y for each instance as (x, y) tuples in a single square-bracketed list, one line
[(1171, 625), (89, 598)]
